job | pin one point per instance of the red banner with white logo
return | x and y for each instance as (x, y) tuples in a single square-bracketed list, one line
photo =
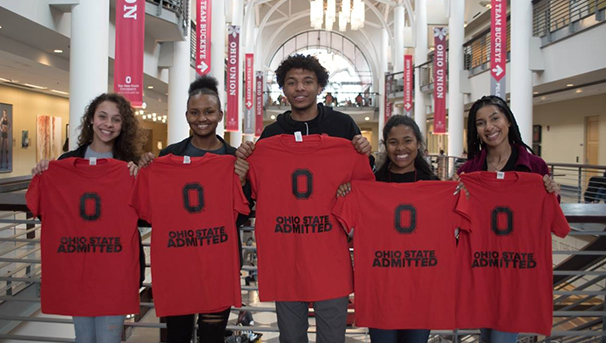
[(203, 32), (259, 104), (233, 77), (439, 80), (498, 47), (128, 58), (408, 85), (248, 63)]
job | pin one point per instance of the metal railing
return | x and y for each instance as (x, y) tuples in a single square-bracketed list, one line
[(578, 292), (339, 99), (477, 51), (550, 16), (579, 183)]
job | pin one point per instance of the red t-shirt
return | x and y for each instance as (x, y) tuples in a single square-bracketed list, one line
[(89, 239), (506, 272), (303, 253), (404, 252), (194, 250)]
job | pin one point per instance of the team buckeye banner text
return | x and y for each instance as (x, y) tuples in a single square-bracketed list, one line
[(128, 62), (233, 77), (498, 47), (249, 79), (439, 80), (203, 32), (408, 84)]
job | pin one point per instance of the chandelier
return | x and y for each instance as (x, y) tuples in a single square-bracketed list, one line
[(349, 14)]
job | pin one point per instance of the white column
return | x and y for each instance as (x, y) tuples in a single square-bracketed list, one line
[(455, 66), (420, 112), (382, 71), (398, 36), (521, 75), (178, 85), (217, 55), (235, 138), (88, 66)]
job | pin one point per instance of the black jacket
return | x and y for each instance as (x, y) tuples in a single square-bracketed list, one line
[(80, 152), (178, 149), (328, 121)]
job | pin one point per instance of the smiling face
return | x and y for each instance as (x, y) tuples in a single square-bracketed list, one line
[(203, 114), (301, 88), (492, 126), (107, 123), (402, 148)]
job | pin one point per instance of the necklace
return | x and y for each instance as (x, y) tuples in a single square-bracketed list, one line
[(501, 164)]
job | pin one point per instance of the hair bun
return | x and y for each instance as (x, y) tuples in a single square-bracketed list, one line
[(204, 82)]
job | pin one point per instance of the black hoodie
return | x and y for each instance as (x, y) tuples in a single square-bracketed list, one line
[(332, 123)]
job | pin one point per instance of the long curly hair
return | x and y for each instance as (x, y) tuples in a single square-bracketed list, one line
[(299, 61), (474, 143), (128, 146), (419, 162)]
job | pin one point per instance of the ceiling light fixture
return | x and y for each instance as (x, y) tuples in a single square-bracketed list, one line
[(273, 117), (569, 84), (535, 92), (150, 87), (59, 92), (579, 91), (58, 51), (349, 14), (367, 118)]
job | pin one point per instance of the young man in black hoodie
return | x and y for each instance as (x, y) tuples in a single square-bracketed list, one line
[(302, 79)]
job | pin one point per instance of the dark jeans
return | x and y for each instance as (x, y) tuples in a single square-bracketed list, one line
[(496, 336), (398, 336), (211, 327)]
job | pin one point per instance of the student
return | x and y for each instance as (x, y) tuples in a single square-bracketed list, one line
[(203, 116), (302, 79), (403, 162), (495, 144), (109, 130)]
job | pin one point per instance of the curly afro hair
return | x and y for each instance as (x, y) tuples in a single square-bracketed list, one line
[(299, 61)]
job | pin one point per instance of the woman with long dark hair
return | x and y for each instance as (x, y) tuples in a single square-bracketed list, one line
[(403, 161), (494, 144)]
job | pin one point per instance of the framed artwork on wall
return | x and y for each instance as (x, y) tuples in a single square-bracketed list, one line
[(6, 138)]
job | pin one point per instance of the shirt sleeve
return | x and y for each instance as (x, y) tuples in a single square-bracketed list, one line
[(240, 202), (555, 217), (32, 197), (346, 211), (140, 197), (463, 210), (362, 170)]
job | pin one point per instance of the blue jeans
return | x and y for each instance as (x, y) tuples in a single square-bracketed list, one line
[(496, 336), (104, 329), (398, 336)]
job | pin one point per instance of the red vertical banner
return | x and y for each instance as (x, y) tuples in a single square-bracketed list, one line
[(249, 60), (128, 61), (259, 104), (203, 33), (233, 77), (498, 47), (408, 84), (439, 80)]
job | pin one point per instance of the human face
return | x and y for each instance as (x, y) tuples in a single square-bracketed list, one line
[(402, 148), (107, 123), (492, 126), (203, 114), (301, 88)]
